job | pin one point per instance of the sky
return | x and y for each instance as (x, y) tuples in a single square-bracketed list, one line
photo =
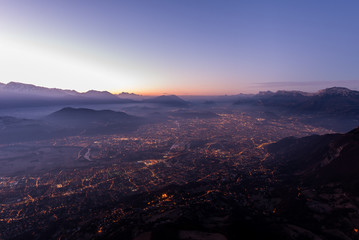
[(184, 47)]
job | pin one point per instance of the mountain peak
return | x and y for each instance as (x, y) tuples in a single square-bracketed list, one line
[(98, 94), (169, 100), (170, 97), (283, 93), (292, 93), (266, 93), (339, 91), (128, 94), (25, 88), (21, 86)]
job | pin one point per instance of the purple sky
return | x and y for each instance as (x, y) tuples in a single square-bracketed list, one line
[(180, 46)]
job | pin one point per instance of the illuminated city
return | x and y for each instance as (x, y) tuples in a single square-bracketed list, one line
[(179, 120)]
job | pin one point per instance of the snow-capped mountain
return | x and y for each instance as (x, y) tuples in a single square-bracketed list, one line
[(16, 94)]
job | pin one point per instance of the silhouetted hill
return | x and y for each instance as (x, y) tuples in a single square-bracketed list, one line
[(67, 122), (94, 121), (85, 115)]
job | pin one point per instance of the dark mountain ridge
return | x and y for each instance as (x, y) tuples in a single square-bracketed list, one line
[(168, 100), (93, 121), (85, 114)]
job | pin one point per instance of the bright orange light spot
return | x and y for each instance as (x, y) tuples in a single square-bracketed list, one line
[(100, 230), (356, 230), (164, 195), (274, 210)]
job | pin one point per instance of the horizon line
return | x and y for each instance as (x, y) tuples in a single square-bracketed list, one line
[(199, 94)]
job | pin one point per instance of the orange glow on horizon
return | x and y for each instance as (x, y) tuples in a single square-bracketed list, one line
[(185, 93), (190, 90)]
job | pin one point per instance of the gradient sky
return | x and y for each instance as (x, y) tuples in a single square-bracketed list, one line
[(180, 46)]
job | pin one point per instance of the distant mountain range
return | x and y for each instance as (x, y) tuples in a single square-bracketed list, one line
[(335, 100), (16, 94), (26, 95), (132, 96)]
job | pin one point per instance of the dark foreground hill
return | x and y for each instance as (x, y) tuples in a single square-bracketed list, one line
[(318, 184), (317, 160)]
